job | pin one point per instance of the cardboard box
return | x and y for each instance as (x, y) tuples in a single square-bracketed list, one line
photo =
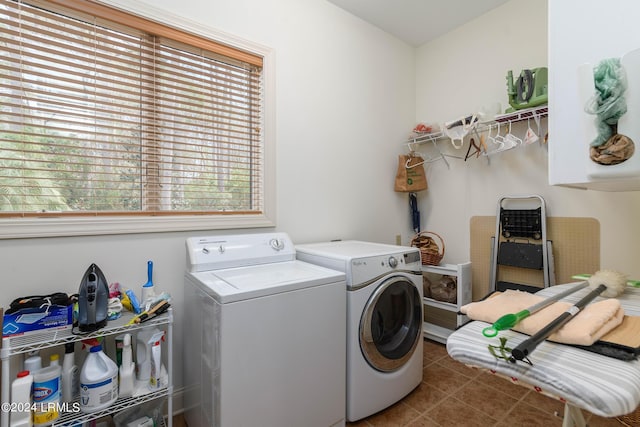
[(36, 319)]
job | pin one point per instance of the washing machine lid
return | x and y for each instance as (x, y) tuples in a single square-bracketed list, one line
[(242, 283)]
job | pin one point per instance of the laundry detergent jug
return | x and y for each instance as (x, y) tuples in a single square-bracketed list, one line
[(98, 381), (46, 395)]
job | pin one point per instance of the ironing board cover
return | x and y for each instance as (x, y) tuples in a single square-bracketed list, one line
[(602, 385)]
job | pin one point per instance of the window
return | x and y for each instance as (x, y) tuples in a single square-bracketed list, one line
[(104, 114)]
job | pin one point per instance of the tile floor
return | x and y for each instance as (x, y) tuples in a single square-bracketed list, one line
[(453, 395)]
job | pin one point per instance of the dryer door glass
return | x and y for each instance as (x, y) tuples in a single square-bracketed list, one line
[(391, 324)]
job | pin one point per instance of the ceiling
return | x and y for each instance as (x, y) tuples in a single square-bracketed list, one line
[(417, 21)]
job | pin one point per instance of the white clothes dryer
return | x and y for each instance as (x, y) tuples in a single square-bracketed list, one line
[(264, 335), (384, 319)]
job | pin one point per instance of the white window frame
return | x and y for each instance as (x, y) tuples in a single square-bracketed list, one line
[(33, 227)]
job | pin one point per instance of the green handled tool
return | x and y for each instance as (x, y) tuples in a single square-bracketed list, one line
[(630, 282), (508, 321)]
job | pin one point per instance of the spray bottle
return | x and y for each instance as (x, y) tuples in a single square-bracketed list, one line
[(143, 353), (127, 377), (156, 361)]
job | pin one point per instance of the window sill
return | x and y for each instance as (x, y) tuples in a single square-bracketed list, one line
[(56, 227)]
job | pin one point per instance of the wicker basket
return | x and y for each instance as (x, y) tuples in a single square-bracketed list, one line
[(431, 252), (630, 420)]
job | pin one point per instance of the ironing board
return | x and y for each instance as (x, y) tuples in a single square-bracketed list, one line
[(581, 379)]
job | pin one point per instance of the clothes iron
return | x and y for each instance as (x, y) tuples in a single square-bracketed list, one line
[(93, 300), (529, 90)]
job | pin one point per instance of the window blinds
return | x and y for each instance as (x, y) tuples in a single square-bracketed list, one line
[(103, 118)]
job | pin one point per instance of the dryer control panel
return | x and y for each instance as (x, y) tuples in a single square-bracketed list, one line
[(368, 268), (412, 257)]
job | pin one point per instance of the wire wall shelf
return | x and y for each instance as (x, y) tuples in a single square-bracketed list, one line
[(508, 118), (478, 128)]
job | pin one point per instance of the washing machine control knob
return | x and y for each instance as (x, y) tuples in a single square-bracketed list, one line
[(277, 244), (393, 262), (205, 250)]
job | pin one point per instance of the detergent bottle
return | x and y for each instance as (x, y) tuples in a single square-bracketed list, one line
[(54, 360), (21, 396), (98, 381), (46, 395), (33, 362), (70, 385)]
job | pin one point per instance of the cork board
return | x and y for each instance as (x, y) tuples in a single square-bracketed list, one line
[(576, 249)]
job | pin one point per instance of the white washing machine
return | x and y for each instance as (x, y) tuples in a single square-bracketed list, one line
[(264, 335), (384, 319)]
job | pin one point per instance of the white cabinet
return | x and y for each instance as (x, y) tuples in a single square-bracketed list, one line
[(435, 326), (19, 345), (595, 33)]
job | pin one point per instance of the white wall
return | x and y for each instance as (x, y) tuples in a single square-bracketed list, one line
[(464, 70), (345, 97)]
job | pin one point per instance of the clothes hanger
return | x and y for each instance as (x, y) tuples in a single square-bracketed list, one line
[(493, 140), (512, 140), (426, 158), (536, 118), (530, 136), (504, 142), (498, 139), (413, 155), (457, 130), (483, 144), (489, 137), (472, 143)]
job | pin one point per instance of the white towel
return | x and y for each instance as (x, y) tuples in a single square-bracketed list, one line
[(587, 327)]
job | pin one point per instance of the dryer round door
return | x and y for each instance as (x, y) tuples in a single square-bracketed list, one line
[(391, 324)]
